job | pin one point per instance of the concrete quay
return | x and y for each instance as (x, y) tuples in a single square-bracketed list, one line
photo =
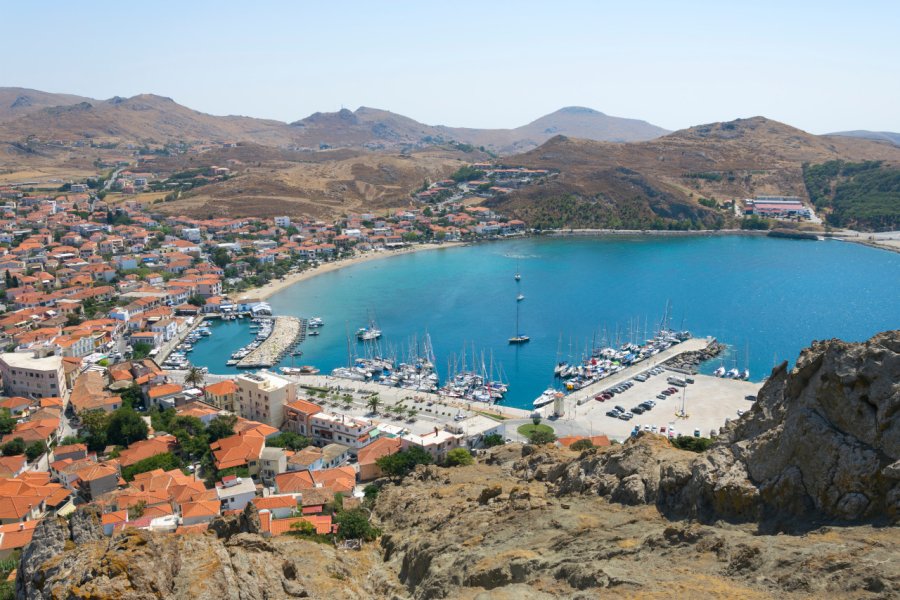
[(286, 333)]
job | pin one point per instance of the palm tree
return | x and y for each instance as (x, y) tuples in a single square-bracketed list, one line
[(373, 403), (412, 412), (194, 377)]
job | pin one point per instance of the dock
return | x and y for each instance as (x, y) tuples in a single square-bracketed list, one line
[(287, 332)]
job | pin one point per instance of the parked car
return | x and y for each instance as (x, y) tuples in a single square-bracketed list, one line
[(673, 390), (689, 380), (626, 416), (696, 433), (637, 410), (661, 396), (619, 408), (751, 398), (613, 413)]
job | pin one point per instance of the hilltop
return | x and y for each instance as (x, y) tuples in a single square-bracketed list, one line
[(884, 136), (148, 118), (648, 184), (797, 498)]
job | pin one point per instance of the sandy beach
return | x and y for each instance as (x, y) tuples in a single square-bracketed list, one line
[(273, 287)]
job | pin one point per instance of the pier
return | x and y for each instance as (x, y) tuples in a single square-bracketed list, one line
[(287, 332)]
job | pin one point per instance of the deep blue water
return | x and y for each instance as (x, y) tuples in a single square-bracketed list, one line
[(771, 296)]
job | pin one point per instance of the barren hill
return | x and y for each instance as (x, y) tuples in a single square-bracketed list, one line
[(883, 136), (148, 118), (604, 184)]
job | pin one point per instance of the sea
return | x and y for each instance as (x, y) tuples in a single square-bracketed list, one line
[(765, 298)]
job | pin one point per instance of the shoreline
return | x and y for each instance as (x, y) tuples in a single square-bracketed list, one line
[(273, 287)]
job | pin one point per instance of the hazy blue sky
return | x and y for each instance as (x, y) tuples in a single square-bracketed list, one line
[(822, 66)]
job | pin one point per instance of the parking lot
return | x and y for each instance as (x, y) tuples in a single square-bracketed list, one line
[(708, 402)]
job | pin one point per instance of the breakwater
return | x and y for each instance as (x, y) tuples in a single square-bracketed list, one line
[(287, 332)]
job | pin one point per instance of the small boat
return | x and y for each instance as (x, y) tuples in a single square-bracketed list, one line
[(719, 372), (314, 332), (309, 370), (315, 322), (548, 396), (297, 353), (520, 297), (518, 275)]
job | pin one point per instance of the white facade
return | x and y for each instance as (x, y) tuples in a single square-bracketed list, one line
[(236, 493), (25, 375), (262, 396)]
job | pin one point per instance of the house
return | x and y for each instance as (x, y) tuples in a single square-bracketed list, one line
[(72, 451), (145, 449), (272, 461), (15, 536), (239, 450), (340, 479), (307, 459), (222, 394), (436, 443), (327, 428), (164, 395), (38, 430), (16, 405), (12, 466), (262, 397), (88, 393), (385, 446), (235, 493), (334, 455), (200, 512), (32, 375), (280, 507), (297, 415), (94, 480)]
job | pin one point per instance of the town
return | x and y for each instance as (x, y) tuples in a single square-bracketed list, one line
[(98, 293)]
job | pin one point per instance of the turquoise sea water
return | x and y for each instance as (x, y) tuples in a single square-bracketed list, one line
[(770, 296)]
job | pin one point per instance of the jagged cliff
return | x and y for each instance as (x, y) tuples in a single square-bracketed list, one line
[(816, 457)]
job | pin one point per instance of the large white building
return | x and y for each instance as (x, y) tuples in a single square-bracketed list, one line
[(326, 428), (32, 376), (263, 395)]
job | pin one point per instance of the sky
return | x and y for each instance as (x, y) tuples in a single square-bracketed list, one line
[(822, 66)]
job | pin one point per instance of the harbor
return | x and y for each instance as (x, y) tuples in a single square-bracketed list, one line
[(278, 336)]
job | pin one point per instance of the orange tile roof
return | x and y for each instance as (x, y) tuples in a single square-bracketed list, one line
[(381, 447), (144, 449), (237, 449), (203, 508), (221, 388), (294, 482), (165, 389), (305, 406), (10, 465), (275, 502), (16, 535), (282, 526)]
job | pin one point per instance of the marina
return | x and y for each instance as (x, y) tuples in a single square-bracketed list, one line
[(579, 288), (276, 338)]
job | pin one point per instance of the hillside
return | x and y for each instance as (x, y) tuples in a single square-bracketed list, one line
[(881, 136), (798, 498), (642, 184)]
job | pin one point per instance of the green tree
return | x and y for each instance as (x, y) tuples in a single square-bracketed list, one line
[(459, 457), (136, 511), (7, 422), (132, 396), (35, 449), (197, 300), (141, 350), (581, 445), (125, 427), (289, 440), (14, 447), (373, 403), (542, 436), (73, 319), (166, 461), (354, 525), (194, 377), (95, 423), (493, 439), (401, 463), (221, 427), (303, 528)]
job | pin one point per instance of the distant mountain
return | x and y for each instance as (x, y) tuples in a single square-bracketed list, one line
[(150, 118), (882, 136), (650, 184)]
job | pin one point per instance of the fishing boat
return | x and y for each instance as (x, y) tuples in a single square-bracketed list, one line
[(519, 338)]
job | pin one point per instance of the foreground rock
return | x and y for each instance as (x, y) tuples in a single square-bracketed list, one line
[(821, 443), (242, 566)]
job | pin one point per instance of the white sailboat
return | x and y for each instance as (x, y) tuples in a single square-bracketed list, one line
[(519, 338)]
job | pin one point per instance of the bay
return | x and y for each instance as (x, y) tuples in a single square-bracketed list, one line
[(767, 298)]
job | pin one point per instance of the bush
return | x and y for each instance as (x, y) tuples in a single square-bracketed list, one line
[(542, 436), (694, 444), (581, 445), (125, 427), (494, 439), (459, 457), (289, 440)]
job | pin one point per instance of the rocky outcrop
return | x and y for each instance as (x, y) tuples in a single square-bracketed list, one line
[(225, 527), (86, 525), (822, 442), (137, 565)]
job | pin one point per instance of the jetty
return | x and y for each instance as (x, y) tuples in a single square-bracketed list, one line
[(287, 332)]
